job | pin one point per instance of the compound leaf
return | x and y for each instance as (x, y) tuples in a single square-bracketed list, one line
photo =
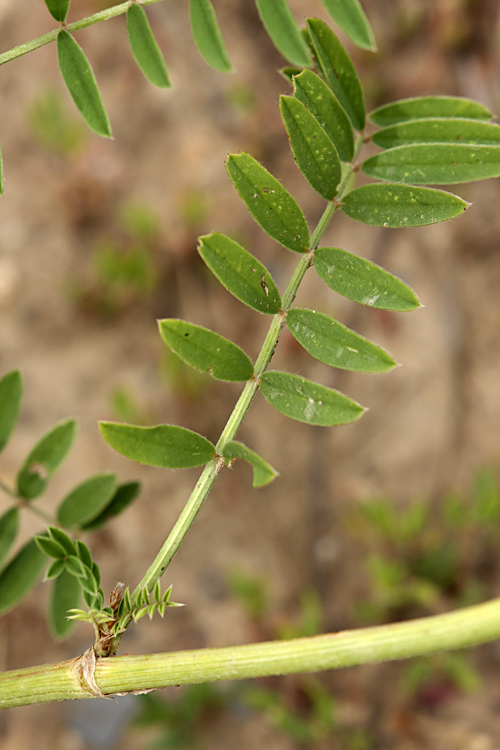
[(272, 207), (240, 272), (65, 595), (312, 148), (205, 350), (58, 9), (459, 130), (63, 539), (50, 547), (44, 460), (145, 49), (9, 524), (306, 401), (283, 30), (319, 100), (164, 446), (263, 473), (123, 497), (20, 575), (87, 500), (394, 205), (332, 343), (417, 108), (11, 395), (338, 71), (362, 281), (55, 569), (350, 16), (207, 35), (80, 80)]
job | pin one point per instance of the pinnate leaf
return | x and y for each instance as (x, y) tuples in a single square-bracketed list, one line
[(438, 130), (80, 80), (263, 473), (362, 281), (49, 547), (240, 272), (283, 30), (435, 163), (312, 148), (164, 446), (207, 35), (65, 595), (58, 9), (9, 524), (394, 205), (332, 343), (123, 497), (44, 460), (417, 108), (63, 539), (145, 49), (21, 575), (11, 394), (272, 207), (339, 72), (350, 16), (306, 401), (55, 569), (87, 500), (205, 350), (319, 100)]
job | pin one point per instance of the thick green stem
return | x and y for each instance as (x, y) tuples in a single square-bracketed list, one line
[(464, 628)]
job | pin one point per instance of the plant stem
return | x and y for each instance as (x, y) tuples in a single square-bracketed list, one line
[(464, 628), (41, 41)]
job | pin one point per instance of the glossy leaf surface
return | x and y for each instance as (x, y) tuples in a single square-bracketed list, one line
[(21, 575), (164, 446), (45, 458), (123, 497), (338, 71), (240, 272), (87, 500), (312, 148), (11, 395), (332, 343), (263, 473), (80, 80), (417, 108), (435, 164), (9, 524), (65, 595), (145, 49), (306, 401), (272, 207), (207, 35), (313, 92), (458, 130), (283, 30), (362, 281), (350, 16), (394, 205), (58, 9), (205, 350)]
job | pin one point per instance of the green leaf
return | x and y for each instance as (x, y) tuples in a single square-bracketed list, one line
[(58, 9), (145, 49), (362, 281), (164, 446), (272, 207), (394, 205), (306, 401), (283, 30), (438, 130), (77, 568), (20, 575), (240, 272), (419, 108), (435, 163), (123, 497), (334, 344), (312, 148), (83, 554), (319, 100), (289, 71), (263, 473), (65, 595), (350, 16), (87, 500), (9, 524), (205, 350), (338, 70), (207, 35), (45, 458), (64, 540), (79, 78), (11, 395), (55, 569), (49, 547)]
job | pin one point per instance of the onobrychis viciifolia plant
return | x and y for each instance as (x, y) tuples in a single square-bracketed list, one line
[(436, 140)]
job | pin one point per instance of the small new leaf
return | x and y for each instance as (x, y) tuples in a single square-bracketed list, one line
[(76, 567), (282, 28), (418, 108), (54, 570), (145, 49), (350, 16), (60, 536), (11, 394), (207, 35), (49, 547), (44, 460), (263, 473), (83, 554)]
